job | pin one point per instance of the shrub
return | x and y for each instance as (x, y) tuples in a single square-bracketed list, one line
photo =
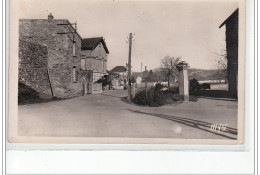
[(140, 98), (174, 90), (26, 93), (194, 84), (154, 97), (158, 86), (159, 98), (205, 86)]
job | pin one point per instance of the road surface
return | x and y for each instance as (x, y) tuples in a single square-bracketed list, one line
[(106, 115)]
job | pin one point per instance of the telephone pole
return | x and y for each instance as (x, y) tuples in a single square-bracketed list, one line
[(141, 74), (145, 69), (129, 67)]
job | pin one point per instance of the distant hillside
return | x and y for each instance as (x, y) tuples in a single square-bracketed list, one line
[(199, 74), (202, 74)]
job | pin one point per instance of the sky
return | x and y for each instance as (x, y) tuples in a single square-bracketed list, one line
[(186, 29)]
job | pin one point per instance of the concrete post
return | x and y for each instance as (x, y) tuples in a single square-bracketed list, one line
[(90, 88), (133, 90), (183, 81)]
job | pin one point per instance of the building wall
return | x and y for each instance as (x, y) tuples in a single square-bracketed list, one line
[(232, 53), (100, 54), (60, 52), (96, 60), (33, 66)]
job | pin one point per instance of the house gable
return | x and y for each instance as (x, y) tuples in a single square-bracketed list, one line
[(92, 43), (64, 51)]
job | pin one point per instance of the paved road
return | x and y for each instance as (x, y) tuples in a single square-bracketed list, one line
[(106, 115)]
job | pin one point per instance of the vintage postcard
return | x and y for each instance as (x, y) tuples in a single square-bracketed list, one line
[(128, 72)]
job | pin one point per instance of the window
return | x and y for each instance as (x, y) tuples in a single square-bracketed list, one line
[(74, 74), (104, 69), (74, 48), (83, 64)]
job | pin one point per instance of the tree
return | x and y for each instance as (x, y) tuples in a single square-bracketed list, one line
[(222, 64), (168, 67), (151, 77)]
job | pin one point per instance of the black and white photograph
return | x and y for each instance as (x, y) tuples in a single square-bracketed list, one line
[(85, 71)]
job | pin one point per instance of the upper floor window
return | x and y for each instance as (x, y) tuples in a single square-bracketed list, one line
[(83, 64), (74, 48)]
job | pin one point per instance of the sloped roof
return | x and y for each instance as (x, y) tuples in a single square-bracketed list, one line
[(234, 14), (118, 69), (92, 43)]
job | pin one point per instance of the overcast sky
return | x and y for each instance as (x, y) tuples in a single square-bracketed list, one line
[(186, 29)]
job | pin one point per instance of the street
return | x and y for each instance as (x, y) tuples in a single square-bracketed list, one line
[(106, 115)]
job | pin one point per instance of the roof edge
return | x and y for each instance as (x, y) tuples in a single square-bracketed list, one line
[(236, 11), (101, 40)]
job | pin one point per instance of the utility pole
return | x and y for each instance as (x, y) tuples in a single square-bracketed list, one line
[(145, 82), (129, 67), (141, 74)]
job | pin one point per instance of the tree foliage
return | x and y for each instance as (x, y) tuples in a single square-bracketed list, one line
[(222, 64), (152, 77), (194, 84), (168, 68)]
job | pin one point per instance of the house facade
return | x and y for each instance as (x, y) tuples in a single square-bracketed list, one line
[(119, 71), (231, 24), (94, 55), (50, 56), (118, 77)]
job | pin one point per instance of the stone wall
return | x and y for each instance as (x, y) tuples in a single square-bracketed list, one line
[(33, 66), (59, 41)]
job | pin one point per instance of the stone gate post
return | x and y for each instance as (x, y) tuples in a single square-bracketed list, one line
[(183, 81)]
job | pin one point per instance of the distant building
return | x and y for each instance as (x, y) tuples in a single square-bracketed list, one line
[(118, 77), (94, 54), (119, 71), (138, 80), (231, 24), (49, 56)]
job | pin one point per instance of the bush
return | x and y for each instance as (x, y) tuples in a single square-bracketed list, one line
[(194, 84), (158, 86), (155, 97), (26, 93), (205, 86), (140, 98), (174, 90)]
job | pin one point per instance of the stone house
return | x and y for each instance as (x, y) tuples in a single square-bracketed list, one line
[(231, 24), (94, 54), (50, 56)]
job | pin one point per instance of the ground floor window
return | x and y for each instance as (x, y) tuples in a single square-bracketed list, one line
[(74, 78)]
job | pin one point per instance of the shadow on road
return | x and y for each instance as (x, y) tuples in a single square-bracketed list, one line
[(214, 94), (110, 95), (115, 93), (229, 132)]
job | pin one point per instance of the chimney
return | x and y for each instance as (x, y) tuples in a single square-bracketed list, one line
[(50, 17)]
